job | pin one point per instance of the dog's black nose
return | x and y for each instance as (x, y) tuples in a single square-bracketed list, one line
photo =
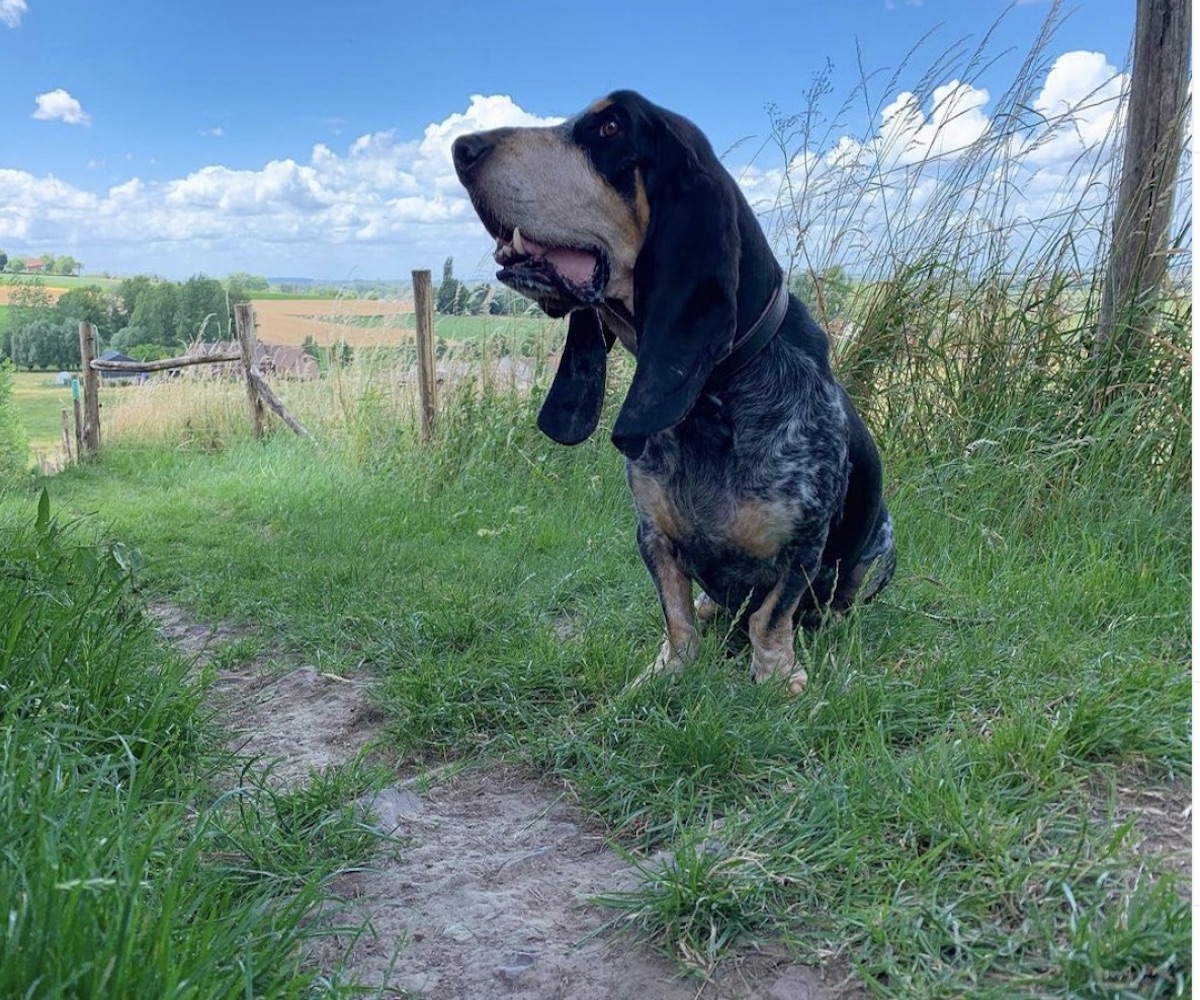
[(469, 152)]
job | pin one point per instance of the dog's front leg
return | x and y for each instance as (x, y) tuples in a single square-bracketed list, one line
[(772, 627), (682, 642)]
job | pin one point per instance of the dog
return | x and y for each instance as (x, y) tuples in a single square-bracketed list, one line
[(752, 473)]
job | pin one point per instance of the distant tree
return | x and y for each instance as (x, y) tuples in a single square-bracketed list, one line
[(148, 352), (310, 347), (16, 265), (475, 300), (204, 310), (3, 260), (127, 296), (14, 442), (28, 301), (827, 293), (451, 295), (155, 310), (236, 292), (89, 304), (65, 265), (506, 302), (129, 338), (48, 342), (250, 282)]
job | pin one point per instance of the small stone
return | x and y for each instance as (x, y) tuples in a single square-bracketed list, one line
[(389, 807), (516, 966)]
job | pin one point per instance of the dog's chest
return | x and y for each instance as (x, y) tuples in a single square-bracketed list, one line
[(746, 492)]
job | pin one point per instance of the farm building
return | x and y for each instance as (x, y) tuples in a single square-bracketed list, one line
[(111, 355), (270, 359)]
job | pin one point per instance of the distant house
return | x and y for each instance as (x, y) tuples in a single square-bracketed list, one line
[(111, 355), (36, 266), (270, 359), (290, 362)]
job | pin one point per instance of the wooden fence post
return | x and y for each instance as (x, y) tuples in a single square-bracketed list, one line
[(66, 431), (244, 318), (426, 363), (91, 392), (1154, 134), (78, 413)]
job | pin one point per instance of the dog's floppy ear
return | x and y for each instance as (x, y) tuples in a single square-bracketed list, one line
[(571, 410), (685, 284)]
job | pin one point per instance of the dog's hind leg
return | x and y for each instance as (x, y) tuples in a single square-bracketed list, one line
[(874, 568)]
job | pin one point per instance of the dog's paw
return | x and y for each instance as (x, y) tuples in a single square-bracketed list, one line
[(779, 666), (706, 609), (669, 661)]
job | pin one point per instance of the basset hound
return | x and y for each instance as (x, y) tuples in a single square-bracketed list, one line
[(751, 471)]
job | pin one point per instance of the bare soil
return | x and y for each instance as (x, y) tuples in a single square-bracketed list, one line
[(54, 294), (486, 885)]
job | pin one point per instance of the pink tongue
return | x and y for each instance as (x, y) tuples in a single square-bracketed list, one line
[(576, 266)]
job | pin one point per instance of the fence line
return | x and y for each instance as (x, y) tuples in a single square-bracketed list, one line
[(259, 395)]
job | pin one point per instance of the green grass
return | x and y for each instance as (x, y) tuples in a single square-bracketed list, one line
[(319, 294), (40, 403), (122, 872), (927, 808), (62, 280)]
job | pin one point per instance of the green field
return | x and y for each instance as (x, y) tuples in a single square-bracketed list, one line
[(61, 281), (951, 807), (40, 403)]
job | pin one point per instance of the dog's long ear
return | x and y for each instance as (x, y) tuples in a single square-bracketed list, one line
[(685, 284), (571, 410)]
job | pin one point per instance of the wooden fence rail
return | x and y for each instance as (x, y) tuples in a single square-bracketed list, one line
[(259, 394)]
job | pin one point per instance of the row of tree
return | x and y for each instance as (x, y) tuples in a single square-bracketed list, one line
[(50, 264), (143, 317), (148, 318), (456, 298)]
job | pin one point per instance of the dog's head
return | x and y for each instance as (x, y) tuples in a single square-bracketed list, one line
[(624, 205)]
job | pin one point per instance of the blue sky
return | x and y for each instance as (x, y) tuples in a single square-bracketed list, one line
[(306, 138)]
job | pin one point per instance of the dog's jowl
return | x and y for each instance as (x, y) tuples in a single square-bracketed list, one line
[(752, 473)]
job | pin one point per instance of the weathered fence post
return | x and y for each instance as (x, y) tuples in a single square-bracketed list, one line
[(426, 366), (75, 404), (91, 392), (244, 318), (1154, 133), (66, 428)]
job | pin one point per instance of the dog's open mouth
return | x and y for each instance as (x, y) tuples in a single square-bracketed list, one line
[(543, 271)]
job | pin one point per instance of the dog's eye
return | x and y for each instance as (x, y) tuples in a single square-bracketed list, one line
[(610, 128)]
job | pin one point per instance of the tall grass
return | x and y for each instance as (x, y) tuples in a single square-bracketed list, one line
[(972, 319), (120, 874)]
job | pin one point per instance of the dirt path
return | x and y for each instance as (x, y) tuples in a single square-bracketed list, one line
[(489, 890)]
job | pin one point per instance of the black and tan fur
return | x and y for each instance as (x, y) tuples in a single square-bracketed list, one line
[(751, 471)]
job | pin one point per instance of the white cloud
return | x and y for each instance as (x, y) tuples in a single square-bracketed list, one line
[(952, 167), (216, 132), (11, 12), (382, 205), (385, 203), (58, 105), (1081, 103)]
